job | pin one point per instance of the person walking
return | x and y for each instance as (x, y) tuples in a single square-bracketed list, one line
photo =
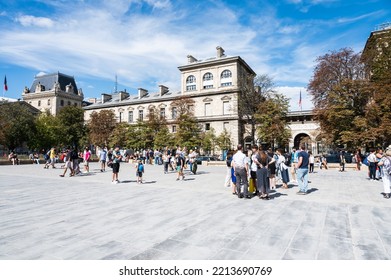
[(385, 163), (240, 165), (52, 156), (116, 163), (86, 159), (254, 167), (342, 161), (272, 169), (68, 163), (372, 161), (103, 159), (166, 161), (283, 168), (302, 170)]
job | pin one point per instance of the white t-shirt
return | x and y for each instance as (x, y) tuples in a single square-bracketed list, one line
[(312, 159), (239, 159), (254, 166)]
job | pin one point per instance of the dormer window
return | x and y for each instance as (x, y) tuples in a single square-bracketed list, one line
[(207, 81), (191, 83), (226, 74)]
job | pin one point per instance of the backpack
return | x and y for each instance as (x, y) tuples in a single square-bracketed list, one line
[(140, 168), (288, 158), (387, 166), (74, 155)]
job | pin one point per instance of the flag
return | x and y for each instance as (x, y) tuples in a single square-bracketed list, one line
[(5, 83), (300, 104)]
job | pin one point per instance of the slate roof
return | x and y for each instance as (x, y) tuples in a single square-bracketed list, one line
[(49, 80)]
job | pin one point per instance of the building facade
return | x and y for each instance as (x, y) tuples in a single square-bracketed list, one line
[(53, 92), (213, 84)]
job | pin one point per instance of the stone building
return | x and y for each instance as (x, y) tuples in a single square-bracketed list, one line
[(53, 92), (212, 83)]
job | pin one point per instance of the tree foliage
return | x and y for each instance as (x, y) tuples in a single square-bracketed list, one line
[(271, 119), (223, 140), (253, 92), (16, 125), (100, 127), (351, 105), (72, 125), (48, 131)]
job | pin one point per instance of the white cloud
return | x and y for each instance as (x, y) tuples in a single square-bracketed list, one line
[(27, 20), (354, 19)]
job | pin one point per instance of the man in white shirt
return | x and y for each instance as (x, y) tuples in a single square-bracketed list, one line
[(240, 164), (372, 162)]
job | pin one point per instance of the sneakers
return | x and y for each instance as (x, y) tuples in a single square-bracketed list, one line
[(301, 193)]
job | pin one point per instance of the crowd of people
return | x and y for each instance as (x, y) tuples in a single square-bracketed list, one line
[(257, 172)]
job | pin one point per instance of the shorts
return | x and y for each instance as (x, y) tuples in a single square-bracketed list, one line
[(253, 174), (86, 163), (233, 177), (68, 164), (179, 168), (115, 167), (103, 161), (139, 174)]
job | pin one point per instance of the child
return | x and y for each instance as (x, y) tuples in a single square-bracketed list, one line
[(140, 171)]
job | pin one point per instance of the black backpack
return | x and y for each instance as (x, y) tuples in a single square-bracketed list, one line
[(288, 158), (74, 155)]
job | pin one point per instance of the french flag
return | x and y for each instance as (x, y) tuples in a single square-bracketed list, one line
[(5, 83)]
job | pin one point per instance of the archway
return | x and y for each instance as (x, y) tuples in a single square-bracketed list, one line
[(248, 141), (302, 138)]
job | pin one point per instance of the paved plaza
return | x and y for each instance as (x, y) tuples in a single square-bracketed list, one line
[(43, 216)]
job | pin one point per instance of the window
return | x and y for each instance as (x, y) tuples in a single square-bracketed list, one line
[(207, 77), (191, 83), (173, 128), (174, 113), (190, 108), (226, 84), (207, 126), (226, 125), (48, 101), (162, 113), (75, 104), (141, 115), (226, 108), (208, 109), (69, 103), (130, 116), (61, 102), (207, 81), (226, 74), (39, 103), (120, 116)]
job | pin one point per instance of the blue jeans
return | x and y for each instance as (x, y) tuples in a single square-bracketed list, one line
[(302, 179)]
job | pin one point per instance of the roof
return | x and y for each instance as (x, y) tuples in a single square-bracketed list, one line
[(49, 80), (114, 100), (216, 60), (29, 107), (300, 113)]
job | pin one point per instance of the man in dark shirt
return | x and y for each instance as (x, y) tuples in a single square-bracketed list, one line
[(302, 170)]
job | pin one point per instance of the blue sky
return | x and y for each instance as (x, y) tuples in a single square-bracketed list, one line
[(144, 41)]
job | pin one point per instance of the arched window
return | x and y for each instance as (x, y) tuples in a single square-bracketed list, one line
[(226, 78), (207, 80), (48, 101), (226, 74), (61, 102), (191, 83), (39, 103), (69, 103)]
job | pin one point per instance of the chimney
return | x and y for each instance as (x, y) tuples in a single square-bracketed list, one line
[(142, 92), (162, 90), (191, 59), (220, 52), (123, 95), (92, 100), (105, 97)]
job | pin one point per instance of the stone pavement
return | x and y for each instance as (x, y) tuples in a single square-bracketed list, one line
[(43, 216)]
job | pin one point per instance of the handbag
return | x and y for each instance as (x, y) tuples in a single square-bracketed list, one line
[(110, 164)]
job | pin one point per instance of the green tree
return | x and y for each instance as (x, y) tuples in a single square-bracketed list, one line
[(223, 140), (72, 125), (209, 141), (120, 135), (17, 125), (100, 127), (48, 131), (189, 131), (271, 119), (253, 91)]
